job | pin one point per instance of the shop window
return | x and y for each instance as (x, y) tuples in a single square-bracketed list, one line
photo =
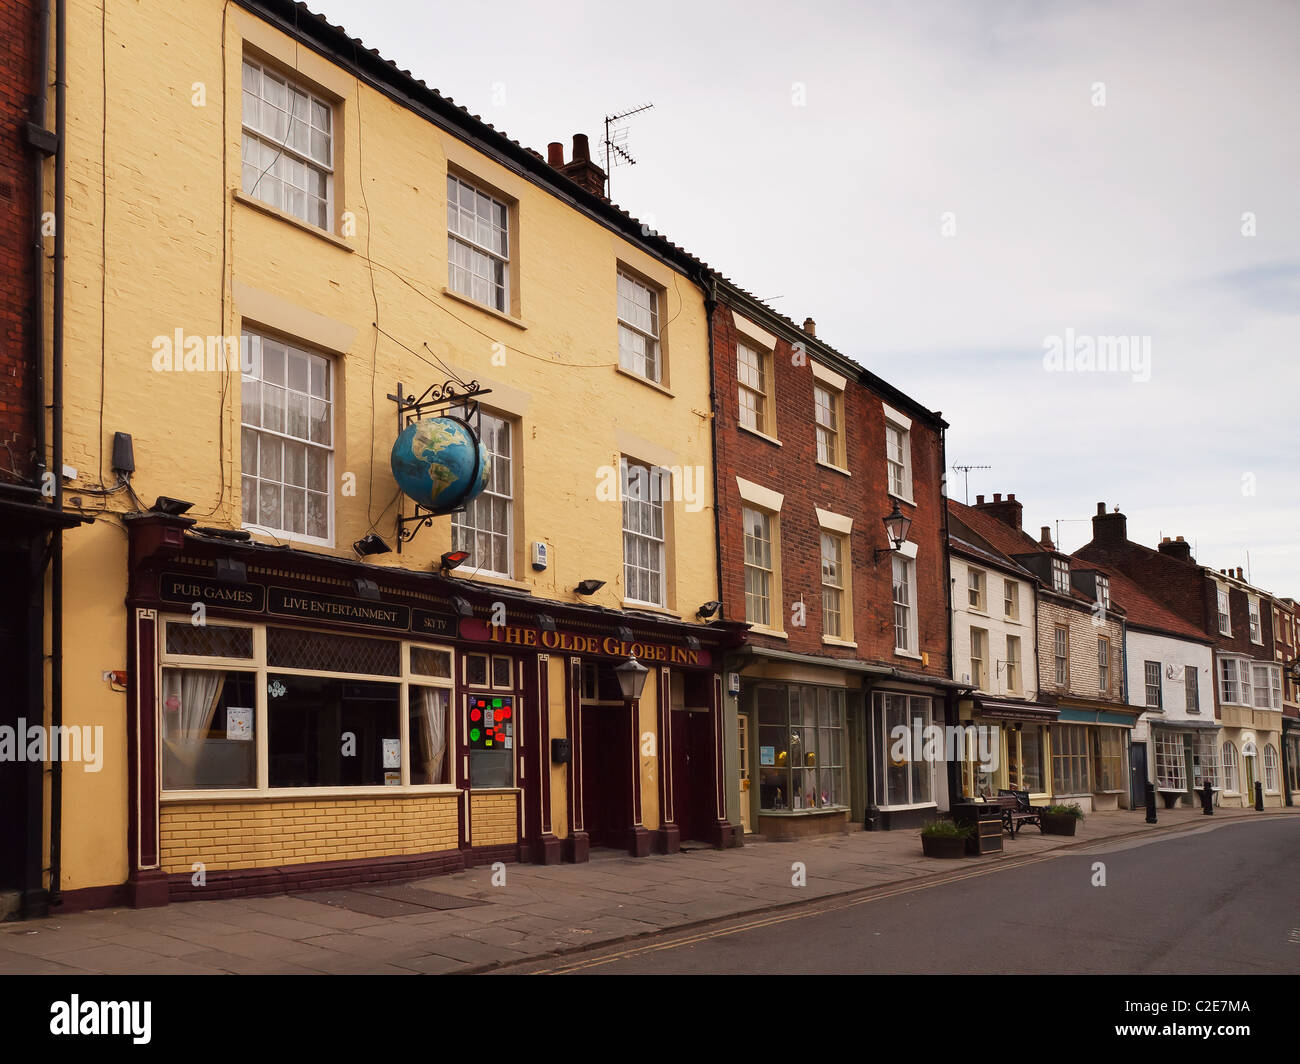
[(490, 731), (329, 731), (429, 715), (1171, 770), (1070, 760), (1107, 759), (801, 747), (1270, 768), (209, 640), (901, 779), (293, 648), (1205, 760), (208, 722), (1025, 759)]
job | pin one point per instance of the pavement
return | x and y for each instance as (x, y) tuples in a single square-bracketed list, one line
[(481, 919)]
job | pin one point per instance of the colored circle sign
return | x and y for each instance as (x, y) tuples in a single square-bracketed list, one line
[(473, 734)]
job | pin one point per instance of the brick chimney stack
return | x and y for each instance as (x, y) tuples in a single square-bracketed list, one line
[(580, 169), (1045, 538), (1176, 548), (1109, 528), (810, 326), (1007, 510)]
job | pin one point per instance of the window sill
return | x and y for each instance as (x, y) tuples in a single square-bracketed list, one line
[(821, 810), (501, 581), (906, 654), (284, 216), (760, 435), (830, 640), (307, 794), (648, 607), (834, 468), (491, 311), (902, 498), (773, 632), (645, 380)]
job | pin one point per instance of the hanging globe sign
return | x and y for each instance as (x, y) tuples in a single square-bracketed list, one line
[(440, 463)]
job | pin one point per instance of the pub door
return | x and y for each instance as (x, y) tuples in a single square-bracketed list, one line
[(607, 775)]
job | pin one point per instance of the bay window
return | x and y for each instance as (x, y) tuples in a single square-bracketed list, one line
[(802, 747), (1171, 768), (1205, 760)]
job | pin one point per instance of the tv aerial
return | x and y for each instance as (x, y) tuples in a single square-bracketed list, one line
[(965, 471), (615, 142)]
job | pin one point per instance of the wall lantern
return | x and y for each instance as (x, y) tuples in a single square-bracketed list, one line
[(708, 609), (589, 587), (371, 544), (631, 678), (897, 525)]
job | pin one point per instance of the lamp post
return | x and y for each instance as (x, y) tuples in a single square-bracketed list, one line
[(631, 678)]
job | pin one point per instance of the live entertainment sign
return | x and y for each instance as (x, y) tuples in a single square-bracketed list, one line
[(571, 642)]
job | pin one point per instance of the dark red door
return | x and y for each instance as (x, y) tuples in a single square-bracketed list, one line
[(606, 775), (692, 773)]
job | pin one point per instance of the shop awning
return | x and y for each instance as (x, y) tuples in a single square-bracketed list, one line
[(851, 665), (1184, 725)]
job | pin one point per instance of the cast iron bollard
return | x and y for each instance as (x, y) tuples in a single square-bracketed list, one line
[(1207, 799), (1259, 796), (1151, 803)]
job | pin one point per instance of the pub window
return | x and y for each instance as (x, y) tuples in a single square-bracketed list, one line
[(490, 729), (429, 715), (501, 672), (331, 731), (209, 640), (476, 670), (208, 720)]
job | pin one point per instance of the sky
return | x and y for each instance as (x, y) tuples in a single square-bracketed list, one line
[(969, 198)]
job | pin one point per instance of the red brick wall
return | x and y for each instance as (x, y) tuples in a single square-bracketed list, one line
[(19, 78), (792, 470)]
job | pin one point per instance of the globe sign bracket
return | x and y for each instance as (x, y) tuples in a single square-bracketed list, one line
[(436, 400)]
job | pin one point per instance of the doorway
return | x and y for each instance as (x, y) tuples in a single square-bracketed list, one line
[(694, 755), (1138, 776), (607, 774), (742, 759)]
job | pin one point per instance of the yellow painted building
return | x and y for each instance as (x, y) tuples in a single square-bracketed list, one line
[(272, 196)]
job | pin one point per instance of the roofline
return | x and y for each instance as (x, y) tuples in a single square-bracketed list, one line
[(332, 42), (792, 333)]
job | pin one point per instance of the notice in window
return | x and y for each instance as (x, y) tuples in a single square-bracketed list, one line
[(239, 724), (392, 753)]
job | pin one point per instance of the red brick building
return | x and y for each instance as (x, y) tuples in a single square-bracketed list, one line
[(849, 634)]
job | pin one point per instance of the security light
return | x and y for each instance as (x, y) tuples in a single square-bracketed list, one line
[(171, 507), (708, 609), (371, 544), (589, 587)]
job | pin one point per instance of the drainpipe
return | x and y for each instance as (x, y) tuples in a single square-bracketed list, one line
[(56, 577), (950, 696)]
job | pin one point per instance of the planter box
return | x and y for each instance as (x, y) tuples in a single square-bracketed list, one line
[(939, 846), (1058, 824)]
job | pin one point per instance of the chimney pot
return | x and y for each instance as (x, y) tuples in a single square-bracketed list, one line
[(1011, 497), (997, 496), (555, 154), (1239, 576), (1164, 539), (979, 500), (1179, 539), (810, 326), (1045, 537), (1101, 508), (581, 149)]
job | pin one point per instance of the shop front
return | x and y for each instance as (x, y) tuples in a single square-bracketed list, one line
[(298, 721), (1089, 752), (1008, 747), (1184, 756)]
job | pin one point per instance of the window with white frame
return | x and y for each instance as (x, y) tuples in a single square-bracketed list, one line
[(1154, 687), (478, 245), (1205, 760), (1230, 768), (1192, 688), (643, 532), (1230, 688), (979, 656), (826, 407), (752, 381), (1061, 653), (484, 529), (901, 779), (1256, 630), (1061, 575), (287, 440), (804, 728), (1270, 768), (288, 146), (638, 328), (1293, 762), (1267, 684), (898, 459), (905, 635), (1225, 612), (758, 567), (975, 583), (1011, 600), (1103, 592), (832, 586), (1013, 664), (1103, 664), (1171, 766)]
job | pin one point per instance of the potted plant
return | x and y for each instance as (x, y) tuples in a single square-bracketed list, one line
[(1061, 819), (943, 838)]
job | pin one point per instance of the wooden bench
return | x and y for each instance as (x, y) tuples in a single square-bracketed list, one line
[(1016, 810)]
